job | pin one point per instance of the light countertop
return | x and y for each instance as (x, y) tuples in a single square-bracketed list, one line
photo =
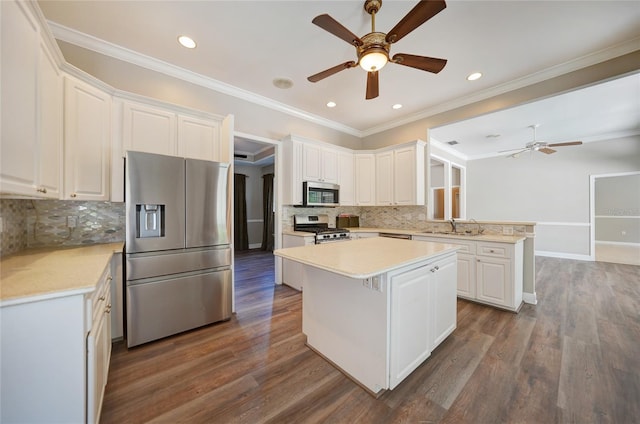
[(53, 272), (497, 238), (365, 258)]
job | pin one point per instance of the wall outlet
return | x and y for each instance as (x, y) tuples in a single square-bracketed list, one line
[(507, 231), (72, 221), (367, 283), (376, 284)]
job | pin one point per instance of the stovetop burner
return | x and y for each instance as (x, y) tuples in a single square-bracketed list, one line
[(319, 225)]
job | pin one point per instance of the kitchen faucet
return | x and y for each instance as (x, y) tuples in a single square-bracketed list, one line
[(453, 224), (480, 229)]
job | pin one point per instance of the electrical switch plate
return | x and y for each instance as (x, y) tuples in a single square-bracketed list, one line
[(375, 285), (507, 231)]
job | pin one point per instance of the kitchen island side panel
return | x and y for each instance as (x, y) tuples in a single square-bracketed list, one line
[(347, 322)]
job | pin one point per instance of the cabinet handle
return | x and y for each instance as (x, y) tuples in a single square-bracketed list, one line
[(109, 278), (101, 298), (491, 250), (73, 195), (437, 267), (107, 310), (41, 190)]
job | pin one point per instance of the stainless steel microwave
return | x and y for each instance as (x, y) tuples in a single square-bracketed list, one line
[(320, 194)]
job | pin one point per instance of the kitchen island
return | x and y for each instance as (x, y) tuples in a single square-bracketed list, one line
[(376, 308)]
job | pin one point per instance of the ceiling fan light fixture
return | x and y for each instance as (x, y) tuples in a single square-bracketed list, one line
[(374, 59), (397, 106)]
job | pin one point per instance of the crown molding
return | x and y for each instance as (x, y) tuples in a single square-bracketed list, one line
[(106, 48), (537, 77), (97, 45)]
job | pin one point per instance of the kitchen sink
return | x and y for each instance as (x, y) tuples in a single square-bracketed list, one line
[(451, 233)]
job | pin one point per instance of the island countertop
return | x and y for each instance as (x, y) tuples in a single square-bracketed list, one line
[(53, 272), (365, 258)]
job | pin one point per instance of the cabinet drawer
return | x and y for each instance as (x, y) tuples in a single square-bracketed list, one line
[(495, 250), (99, 299)]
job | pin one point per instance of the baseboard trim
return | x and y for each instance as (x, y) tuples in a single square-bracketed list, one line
[(564, 255), (618, 243), (530, 298)]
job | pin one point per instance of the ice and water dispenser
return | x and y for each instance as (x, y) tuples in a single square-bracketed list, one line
[(150, 219)]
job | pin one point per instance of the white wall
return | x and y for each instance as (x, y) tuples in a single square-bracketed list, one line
[(552, 190), (617, 209)]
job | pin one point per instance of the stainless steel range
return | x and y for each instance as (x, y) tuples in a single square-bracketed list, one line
[(319, 224)]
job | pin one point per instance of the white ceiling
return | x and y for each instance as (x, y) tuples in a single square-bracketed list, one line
[(247, 44)]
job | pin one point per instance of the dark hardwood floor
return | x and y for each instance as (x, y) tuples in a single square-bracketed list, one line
[(575, 357)]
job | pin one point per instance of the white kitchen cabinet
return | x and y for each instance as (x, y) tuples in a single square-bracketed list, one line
[(408, 174), (410, 329), (199, 138), (98, 346), (346, 179), (31, 107), (55, 355), (487, 272), (87, 141), (292, 171), (319, 164), (442, 300), (384, 178), (147, 128), (400, 175), (365, 170), (292, 274), (117, 301)]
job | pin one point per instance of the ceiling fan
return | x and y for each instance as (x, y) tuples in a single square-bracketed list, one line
[(539, 146), (373, 48)]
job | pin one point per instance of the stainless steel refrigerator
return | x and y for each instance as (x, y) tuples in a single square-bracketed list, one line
[(178, 253)]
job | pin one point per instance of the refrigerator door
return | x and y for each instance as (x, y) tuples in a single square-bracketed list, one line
[(161, 308), (207, 200), (155, 198)]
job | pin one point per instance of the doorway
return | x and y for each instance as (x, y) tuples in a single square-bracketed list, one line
[(615, 218), (258, 160)]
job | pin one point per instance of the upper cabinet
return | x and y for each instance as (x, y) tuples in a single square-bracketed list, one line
[(346, 179), (31, 119), (319, 164), (365, 170), (87, 141), (199, 138), (306, 160), (146, 128), (400, 178)]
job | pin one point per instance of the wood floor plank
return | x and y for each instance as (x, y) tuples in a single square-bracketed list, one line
[(573, 357)]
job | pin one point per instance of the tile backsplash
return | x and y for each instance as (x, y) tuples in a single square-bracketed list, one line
[(40, 223)]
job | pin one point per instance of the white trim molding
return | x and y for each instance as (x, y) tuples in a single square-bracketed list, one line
[(530, 298), (564, 255)]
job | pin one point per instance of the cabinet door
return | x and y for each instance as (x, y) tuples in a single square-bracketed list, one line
[(346, 179), (493, 278), (410, 332), (408, 183), (365, 166), (466, 276), (19, 50), (329, 166), (50, 128), (198, 138), (443, 300), (87, 141), (148, 129), (311, 168), (384, 178)]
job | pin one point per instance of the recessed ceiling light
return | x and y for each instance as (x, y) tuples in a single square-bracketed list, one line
[(397, 106), (474, 76), (283, 83), (187, 42), (331, 104)]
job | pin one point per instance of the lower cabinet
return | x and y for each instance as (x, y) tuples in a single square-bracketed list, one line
[(488, 272), (292, 271), (55, 356), (98, 348), (417, 330)]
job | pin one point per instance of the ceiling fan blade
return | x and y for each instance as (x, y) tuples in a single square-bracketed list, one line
[(568, 143), (372, 85), (546, 150), (429, 64), (329, 24), (328, 72), (421, 13)]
